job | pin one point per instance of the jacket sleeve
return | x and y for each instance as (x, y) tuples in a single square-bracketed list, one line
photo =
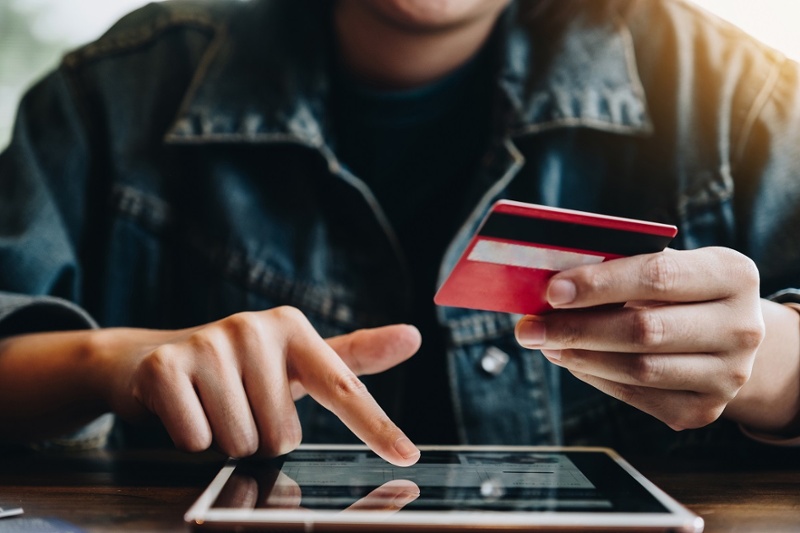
[(43, 206), (43, 179), (766, 166)]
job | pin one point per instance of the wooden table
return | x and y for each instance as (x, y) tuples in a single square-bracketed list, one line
[(149, 490)]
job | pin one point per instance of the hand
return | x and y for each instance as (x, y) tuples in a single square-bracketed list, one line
[(679, 349), (234, 382)]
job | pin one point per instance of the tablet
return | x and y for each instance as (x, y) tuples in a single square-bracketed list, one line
[(474, 488), (518, 247)]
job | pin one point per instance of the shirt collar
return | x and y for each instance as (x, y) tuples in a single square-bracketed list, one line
[(265, 78)]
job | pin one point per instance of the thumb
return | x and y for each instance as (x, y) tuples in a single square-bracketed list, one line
[(370, 351)]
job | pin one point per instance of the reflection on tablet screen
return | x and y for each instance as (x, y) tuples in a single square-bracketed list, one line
[(441, 481)]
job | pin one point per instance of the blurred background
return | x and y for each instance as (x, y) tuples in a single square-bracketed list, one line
[(35, 33)]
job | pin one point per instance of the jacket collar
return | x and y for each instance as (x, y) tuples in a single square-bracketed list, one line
[(588, 79), (265, 79)]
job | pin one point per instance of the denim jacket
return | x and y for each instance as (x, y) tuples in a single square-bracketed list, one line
[(181, 169)]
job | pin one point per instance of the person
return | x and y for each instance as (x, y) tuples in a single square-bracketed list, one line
[(220, 214)]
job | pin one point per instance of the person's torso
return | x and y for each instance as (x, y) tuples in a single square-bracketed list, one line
[(222, 193)]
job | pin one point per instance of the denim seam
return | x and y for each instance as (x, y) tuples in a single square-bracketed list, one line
[(713, 193), (172, 137), (633, 72), (198, 79), (582, 122), (147, 210), (759, 104), (479, 327)]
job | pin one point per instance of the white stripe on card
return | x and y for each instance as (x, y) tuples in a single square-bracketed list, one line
[(503, 253)]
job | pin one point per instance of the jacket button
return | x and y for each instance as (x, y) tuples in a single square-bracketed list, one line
[(494, 360)]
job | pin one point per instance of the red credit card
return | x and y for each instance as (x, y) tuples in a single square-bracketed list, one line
[(519, 246)]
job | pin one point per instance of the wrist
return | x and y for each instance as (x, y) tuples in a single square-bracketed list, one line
[(769, 403), (50, 380), (96, 358)]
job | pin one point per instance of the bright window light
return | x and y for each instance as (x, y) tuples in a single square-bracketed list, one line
[(34, 34), (74, 22), (773, 22)]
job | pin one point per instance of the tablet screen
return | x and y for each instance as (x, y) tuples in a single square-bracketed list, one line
[(448, 485)]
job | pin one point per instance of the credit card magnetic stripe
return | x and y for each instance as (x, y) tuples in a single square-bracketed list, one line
[(505, 253), (562, 234)]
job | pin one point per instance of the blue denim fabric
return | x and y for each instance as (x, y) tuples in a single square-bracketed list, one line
[(181, 169)]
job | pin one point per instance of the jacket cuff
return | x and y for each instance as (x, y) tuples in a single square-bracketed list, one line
[(20, 314), (772, 440), (92, 436), (786, 296)]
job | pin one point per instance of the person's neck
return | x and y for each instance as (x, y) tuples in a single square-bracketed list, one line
[(387, 55)]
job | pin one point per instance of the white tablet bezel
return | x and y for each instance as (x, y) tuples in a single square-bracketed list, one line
[(202, 516)]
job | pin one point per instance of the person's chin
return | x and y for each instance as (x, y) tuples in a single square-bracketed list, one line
[(433, 14)]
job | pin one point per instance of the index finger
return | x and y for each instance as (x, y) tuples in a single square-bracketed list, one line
[(704, 274), (330, 381)]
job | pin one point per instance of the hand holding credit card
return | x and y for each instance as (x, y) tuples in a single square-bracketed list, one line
[(519, 247)]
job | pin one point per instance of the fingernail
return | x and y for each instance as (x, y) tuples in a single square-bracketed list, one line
[(404, 498), (553, 355), (405, 448), (561, 292), (531, 333)]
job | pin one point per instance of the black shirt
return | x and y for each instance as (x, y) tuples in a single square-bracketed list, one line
[(418, 150)]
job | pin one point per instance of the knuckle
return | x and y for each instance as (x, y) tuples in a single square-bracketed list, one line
[(746, 270), (645, 370), (242, 325), (660, 274), (592, 280), (739, 375), (568, 333), (647, 328), (347, 387), (288, 314), (291, 323), (160, 366), (207, 349), (739, 379), (750, 336)]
